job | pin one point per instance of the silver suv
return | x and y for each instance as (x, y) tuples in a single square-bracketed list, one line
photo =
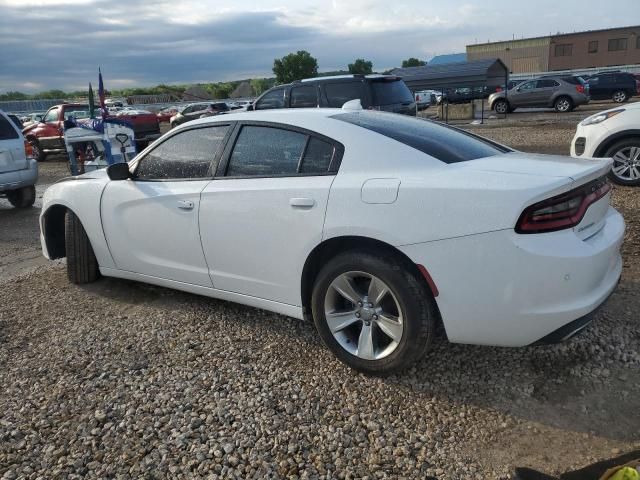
[(18, 172), (561, 93)]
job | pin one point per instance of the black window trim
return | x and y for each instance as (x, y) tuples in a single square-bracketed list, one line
[(334, 166), (214, 161)]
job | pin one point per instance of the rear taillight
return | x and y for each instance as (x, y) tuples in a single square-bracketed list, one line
[(28, 149), (580, 88), (562, 211), (498, 89)]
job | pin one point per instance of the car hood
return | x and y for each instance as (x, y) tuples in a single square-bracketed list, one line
[(543, 165)]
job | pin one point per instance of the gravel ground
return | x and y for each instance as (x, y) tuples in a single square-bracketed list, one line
[(124, 380)]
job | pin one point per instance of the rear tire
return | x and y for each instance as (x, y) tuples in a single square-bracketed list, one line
[(38, 154), (563, 105), (626, 162), (620, 96), (82, 266), (23, 197), (408, 303)]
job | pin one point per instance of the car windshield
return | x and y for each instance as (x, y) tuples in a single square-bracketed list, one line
[(386, 92), (445, 143)]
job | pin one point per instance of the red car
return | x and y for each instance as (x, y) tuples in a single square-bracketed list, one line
[(46, 136), (165, 114)]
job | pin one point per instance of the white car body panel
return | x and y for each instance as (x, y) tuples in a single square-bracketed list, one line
[(272, 225), (246, 240), (596, 134)]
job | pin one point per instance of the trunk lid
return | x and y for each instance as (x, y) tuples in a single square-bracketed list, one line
[(579, 170)]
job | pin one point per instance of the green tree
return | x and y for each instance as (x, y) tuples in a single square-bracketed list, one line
[(259, 85), (361, 66), (413, 62), (295, 66)]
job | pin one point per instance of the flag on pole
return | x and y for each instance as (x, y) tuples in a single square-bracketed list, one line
[(101, 94), (92, 105)]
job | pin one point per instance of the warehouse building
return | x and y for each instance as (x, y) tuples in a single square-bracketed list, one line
[(611, 47)]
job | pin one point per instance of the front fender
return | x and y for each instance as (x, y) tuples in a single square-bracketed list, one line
[(82, 196)]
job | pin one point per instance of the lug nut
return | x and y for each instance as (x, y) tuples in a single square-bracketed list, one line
[(375, 317), (357, 315), (359, 304)]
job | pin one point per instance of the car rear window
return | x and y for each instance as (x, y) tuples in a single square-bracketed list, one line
[(445, 143), (7, 131), (386, 92)]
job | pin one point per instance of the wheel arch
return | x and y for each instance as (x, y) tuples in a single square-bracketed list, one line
[(53, 230), (607, 143), (331, 247)]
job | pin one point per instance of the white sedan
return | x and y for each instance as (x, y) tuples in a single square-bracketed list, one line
[(613, 133), (377, 226)]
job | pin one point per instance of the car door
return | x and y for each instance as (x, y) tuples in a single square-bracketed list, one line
[(521, 96), (272, 99), (12, 156), (265, 210), (304, 96), (151, 221), (50, 132), (542, 94)]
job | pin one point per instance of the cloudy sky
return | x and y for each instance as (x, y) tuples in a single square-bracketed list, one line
[(48, 44)]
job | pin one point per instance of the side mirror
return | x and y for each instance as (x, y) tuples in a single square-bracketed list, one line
[(118, 171), (250, 107)]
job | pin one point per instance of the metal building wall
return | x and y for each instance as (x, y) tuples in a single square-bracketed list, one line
[(520, 56)]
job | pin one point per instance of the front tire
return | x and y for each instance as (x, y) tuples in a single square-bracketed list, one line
[(82, 266), (23, 197), (372, 312), (563, 105), (501, 106), (620, 96), (626, 162)]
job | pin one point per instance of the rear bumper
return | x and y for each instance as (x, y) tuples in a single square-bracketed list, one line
[(19, 178), (506, 289)]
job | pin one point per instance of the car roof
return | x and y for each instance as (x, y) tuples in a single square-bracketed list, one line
[(277, 115)]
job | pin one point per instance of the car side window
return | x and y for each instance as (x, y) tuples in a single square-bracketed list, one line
[(528, 85), (547, 83), (273, 99), (340, 93), (264, 151), (7, 132), (186, 155), (51, 116), (317, 157), (305, 96)]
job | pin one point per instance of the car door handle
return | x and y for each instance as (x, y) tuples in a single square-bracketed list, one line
[(302, 202), (185, 205)]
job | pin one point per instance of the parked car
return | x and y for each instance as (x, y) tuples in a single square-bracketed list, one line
[(425, 98), (165, 114), (15, 120), (613, 133), (197, 110), (46, 137), (562, 93), (320, 213), (617, 86), (18, 171), (380, 92)]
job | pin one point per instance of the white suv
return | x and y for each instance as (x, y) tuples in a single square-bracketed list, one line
[(613, 133), (18, 172)]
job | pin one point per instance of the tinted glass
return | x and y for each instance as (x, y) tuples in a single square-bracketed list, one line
[(317, 157), (187, 154), (388, 92), (340, 93), (573, 80), (305, 96), (263, 151), (528, 85), (52, 115), (273, 99), (444, 143), (16, 121), (7, 131), (547, 83)]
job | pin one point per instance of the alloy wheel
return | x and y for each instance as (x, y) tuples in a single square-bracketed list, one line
[(619, 97), (363, 315), (501, 107), (626, 163), (563, 105)]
